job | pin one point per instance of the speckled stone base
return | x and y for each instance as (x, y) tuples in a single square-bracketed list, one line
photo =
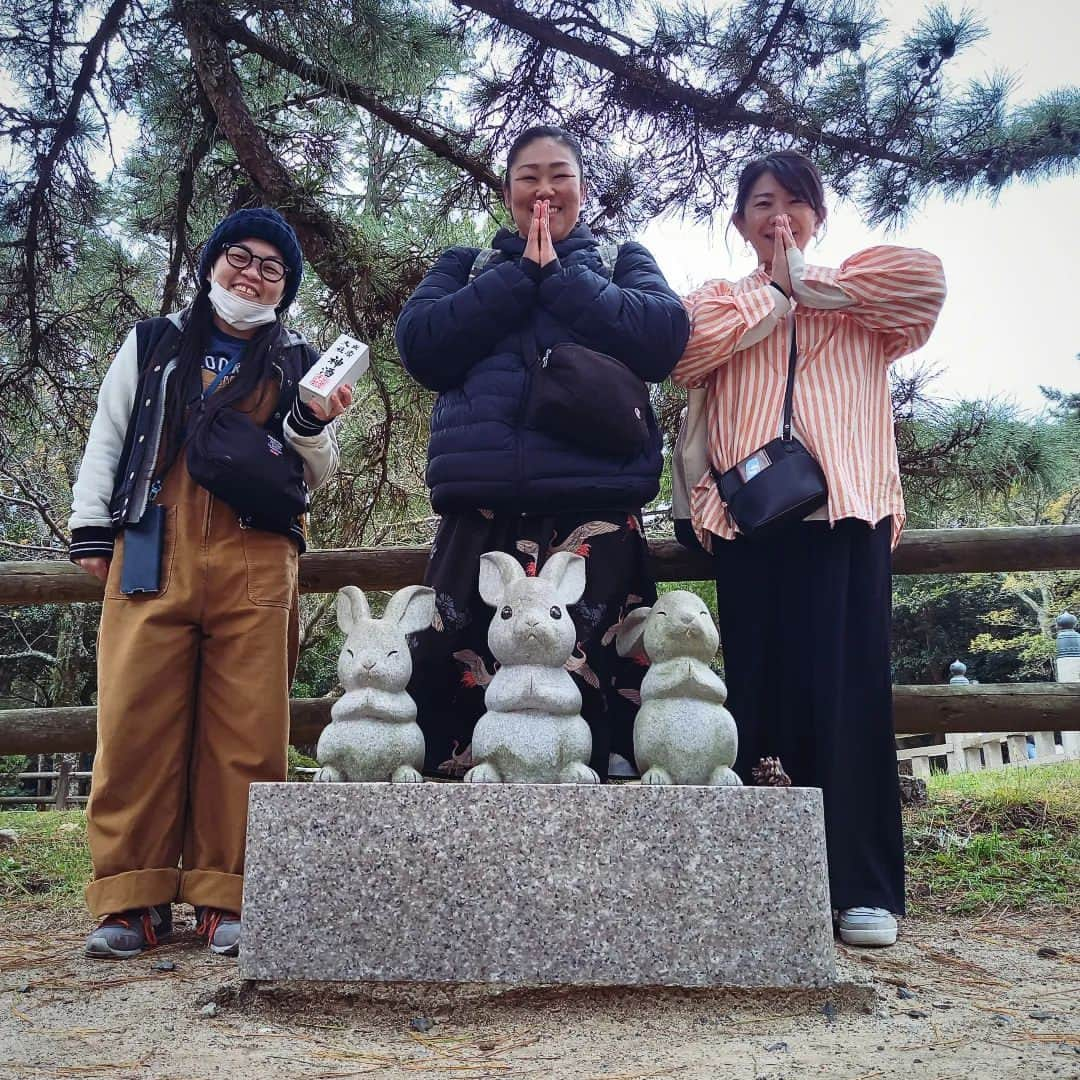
[(520, 883)]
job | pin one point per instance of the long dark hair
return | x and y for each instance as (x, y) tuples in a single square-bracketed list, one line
[(795, 172), (185, 386)]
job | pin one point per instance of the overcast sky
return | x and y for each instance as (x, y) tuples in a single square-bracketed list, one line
[(1012, 318)]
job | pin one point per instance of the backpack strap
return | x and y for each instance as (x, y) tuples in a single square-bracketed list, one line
[(609, 255), (479, 264)]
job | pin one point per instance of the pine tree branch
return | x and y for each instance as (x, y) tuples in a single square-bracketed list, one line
[(318, 232), (33, 499), (449, 149), (185, 192), (66, 130), (710, 110), (747, 81)]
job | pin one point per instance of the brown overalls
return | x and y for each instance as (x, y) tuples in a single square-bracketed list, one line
[(193, 703)]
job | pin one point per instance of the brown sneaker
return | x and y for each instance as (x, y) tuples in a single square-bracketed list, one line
[(220, 928)]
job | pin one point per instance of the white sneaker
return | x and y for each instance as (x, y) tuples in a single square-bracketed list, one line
[(867, 926)]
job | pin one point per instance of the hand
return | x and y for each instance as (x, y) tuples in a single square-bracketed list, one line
[(532, 242), (782, 240), (97, 566), (547, 248), (340, 400)]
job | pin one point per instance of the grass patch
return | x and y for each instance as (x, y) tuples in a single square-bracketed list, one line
[(1002, 840), (49, 864)]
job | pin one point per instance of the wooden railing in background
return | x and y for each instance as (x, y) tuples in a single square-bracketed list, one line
[(1008, 707)]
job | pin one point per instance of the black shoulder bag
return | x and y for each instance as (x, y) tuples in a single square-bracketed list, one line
[(245, 465), (588, 399), (779, 483)]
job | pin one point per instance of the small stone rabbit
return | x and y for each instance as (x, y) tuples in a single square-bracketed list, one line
[(373, 733), (682, 734), (533, 731)]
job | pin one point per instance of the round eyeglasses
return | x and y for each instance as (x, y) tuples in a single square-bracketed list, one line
[(270, 268)]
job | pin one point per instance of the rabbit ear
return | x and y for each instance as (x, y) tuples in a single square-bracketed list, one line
[(497, 572), (566, 572), (352, 606), (412, 608), (628, 638)]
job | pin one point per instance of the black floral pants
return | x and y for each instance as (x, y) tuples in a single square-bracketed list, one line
[(452, 663)]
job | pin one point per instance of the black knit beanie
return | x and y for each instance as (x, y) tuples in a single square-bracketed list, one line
[(262, 224)]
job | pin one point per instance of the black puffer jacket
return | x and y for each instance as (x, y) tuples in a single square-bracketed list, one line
[(469, 341)]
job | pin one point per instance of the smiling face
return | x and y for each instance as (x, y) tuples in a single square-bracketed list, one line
[(545, 169), (248, 282), (768, 199)]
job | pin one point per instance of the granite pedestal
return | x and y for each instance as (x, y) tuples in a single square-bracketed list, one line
[(549, 884)]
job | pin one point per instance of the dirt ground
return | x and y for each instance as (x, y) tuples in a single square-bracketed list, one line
[(978, 1000)]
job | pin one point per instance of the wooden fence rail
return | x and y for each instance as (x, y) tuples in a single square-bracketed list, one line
[(921, 551), (918, 709)]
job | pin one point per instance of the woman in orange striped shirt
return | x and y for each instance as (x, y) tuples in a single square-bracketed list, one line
[(805, 612)]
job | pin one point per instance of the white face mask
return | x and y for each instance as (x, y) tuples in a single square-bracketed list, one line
[(238, 312)]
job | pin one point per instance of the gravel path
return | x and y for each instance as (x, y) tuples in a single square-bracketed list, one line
[(970, 1000)]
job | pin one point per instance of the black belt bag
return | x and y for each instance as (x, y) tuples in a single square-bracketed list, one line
[(589, 399), (245, 465), (779, 483), (248, 467)]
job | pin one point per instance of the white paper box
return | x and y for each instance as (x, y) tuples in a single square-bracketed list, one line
[(342, 364)]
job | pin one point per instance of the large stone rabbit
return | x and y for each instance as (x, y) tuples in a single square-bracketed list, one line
[(682, 734), (533, 730), (373, 733)]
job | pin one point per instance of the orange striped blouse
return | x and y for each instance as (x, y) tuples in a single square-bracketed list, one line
[(851, 324)]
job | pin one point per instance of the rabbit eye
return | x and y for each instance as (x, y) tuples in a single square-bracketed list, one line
[(556, 613), (506, 612), (392, 652), (350, 652)]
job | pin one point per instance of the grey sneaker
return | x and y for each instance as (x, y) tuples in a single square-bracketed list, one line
[(128, 933), (220, 928), (867, 926)]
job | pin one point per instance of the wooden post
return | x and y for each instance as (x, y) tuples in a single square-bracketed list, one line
[(992, 755), (920, 767), (1044, 746), (63, 773), (1067, 669), (1017, 749), (972, 759)]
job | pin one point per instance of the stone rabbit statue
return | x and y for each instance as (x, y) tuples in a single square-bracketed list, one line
[(373, 733), (682, 734), (533, 730)]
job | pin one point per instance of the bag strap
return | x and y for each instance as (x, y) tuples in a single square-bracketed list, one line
[(226, 370), (789, 393), (609, 255), (483, 257)]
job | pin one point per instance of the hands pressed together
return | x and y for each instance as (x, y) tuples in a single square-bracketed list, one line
[(538, 246), (783, 241)]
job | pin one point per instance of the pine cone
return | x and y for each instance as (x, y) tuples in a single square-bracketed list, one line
[(768, 772)]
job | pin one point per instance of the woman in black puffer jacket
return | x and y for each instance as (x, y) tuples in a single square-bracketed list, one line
[(477, 330)]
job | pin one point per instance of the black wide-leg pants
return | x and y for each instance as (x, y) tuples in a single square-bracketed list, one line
[(805, 622)]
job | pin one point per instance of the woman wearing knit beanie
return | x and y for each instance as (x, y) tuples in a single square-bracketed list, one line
[(199, 627)]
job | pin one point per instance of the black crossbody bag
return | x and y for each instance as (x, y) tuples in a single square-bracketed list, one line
[(779, 483), (587, 398), (245, 465)]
